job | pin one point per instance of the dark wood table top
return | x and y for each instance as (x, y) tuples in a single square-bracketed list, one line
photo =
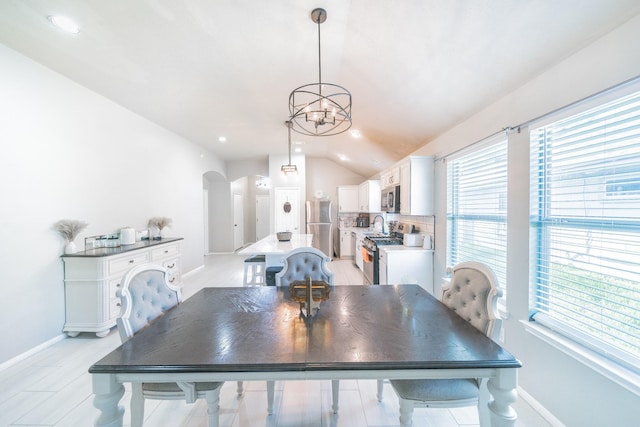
[(258, 329)]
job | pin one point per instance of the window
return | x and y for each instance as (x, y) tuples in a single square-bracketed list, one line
[(477, 207), (585, 228)]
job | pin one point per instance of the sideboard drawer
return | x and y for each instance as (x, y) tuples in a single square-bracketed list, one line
[(114, 308), (114, 286), (123, 264), (165, 251)]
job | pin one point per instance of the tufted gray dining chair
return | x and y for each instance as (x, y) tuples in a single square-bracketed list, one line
[(473, 294), (146, 295), (301, 264)]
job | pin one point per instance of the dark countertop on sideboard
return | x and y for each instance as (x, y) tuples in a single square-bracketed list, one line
[(100, 252)]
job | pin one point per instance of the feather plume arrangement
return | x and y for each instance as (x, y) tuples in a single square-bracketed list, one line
[(160, 222), (69, 228)]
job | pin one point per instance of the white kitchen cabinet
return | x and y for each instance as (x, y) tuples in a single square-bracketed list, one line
[(369, 195), (416, 186), (348, 198), (390, 177), (346, 244), (401, 265), (92, 278)]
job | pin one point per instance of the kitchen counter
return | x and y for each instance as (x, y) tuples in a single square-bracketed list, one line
[(406, 265), (360, 231), (103, 252), (274, 250), (403, 248), (271, 245)]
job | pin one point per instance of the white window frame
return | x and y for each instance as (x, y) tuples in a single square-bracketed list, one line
[(592, 351), (471, 214)]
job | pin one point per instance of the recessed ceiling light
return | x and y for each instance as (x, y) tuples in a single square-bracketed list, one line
[(65, 24), (343, 157), (222, 139), (355, 133)]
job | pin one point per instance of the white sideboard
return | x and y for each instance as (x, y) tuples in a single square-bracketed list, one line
[(92, 278)]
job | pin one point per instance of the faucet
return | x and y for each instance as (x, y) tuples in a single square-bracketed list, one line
[(382, 218)]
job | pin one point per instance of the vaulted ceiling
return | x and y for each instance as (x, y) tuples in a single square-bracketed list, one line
[(205, 69)]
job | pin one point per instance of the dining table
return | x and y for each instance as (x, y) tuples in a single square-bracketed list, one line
[(259, 333)]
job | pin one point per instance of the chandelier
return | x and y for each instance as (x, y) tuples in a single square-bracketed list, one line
[(289, 168), (320, 109)]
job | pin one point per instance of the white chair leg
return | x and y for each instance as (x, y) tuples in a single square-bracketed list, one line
[(189, 390), (380, 394), (240, 388), (137, 405), (335, 392), (270, 392), (406, 412), (483, 404), (213, 406)]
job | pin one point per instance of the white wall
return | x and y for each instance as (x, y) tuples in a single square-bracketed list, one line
[(67, 152), (574, 393), (325, 175), (220, 213)]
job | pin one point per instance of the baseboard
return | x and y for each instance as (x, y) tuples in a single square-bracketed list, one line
[(19, 358), (536, 406), (190, 272)]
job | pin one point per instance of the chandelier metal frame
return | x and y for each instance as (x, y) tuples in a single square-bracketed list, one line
[(320, 109)]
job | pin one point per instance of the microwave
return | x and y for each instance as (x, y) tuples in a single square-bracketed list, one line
[(390, 199)]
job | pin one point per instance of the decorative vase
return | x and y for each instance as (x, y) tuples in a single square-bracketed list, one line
[(155, 233), (70, 248)]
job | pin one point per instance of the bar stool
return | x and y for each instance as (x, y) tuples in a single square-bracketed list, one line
[(254, 270)]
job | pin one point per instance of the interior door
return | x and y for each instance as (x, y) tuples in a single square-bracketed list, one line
[(287, 209), (262, 216), (238, 221)]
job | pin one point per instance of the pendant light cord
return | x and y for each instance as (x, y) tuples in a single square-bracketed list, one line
[(289, 127), (319, 55)]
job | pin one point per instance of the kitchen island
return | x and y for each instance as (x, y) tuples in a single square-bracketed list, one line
[(276, 251)]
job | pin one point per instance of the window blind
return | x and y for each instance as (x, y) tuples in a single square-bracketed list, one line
[(585, 228), (477, 206)]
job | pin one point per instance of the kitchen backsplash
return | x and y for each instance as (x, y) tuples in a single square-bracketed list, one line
[(423, 224), (347, 220)]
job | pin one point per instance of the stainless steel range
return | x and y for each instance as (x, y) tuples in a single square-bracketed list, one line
[(371, 254)]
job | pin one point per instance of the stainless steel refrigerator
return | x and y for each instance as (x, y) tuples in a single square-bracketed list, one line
[(319, 224)]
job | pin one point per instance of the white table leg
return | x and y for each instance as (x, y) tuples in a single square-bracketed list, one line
[(270, 393), (503, 390), (380, 393), (107, 393), (335, 393)]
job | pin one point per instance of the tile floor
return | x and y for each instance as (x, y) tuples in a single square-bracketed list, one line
[(53, 387)]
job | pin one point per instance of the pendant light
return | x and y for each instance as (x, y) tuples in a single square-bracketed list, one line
[(320, 109), (289, 168)]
